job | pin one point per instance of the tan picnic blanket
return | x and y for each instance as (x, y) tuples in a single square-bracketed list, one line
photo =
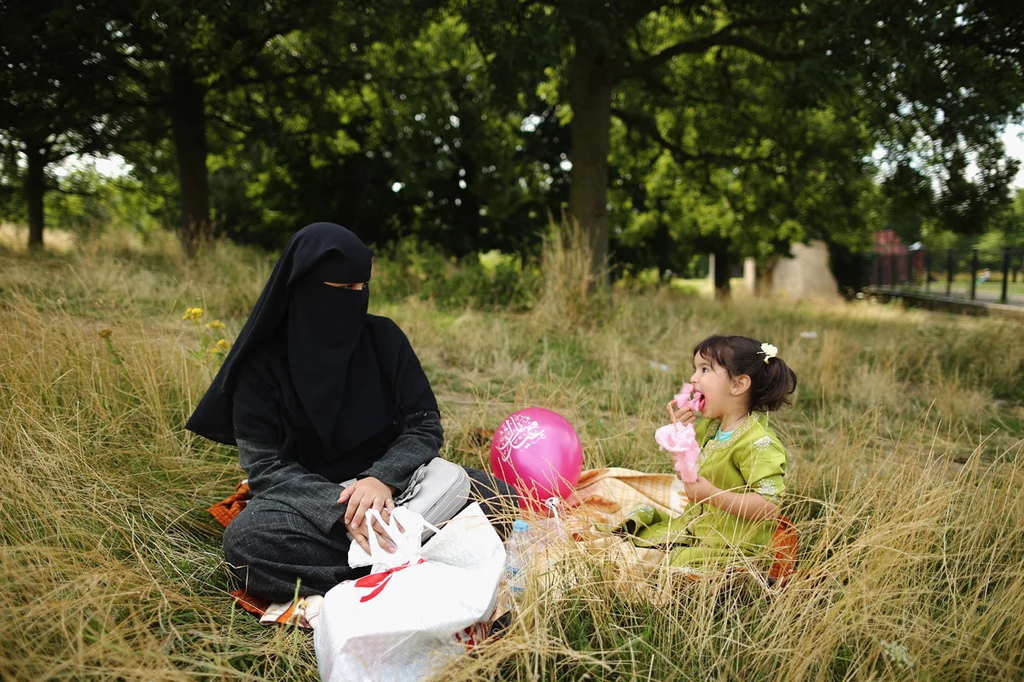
[(602, 500), (605, 497)]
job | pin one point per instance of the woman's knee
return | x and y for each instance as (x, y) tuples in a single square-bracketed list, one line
[(486, 485), (243, 542), (253, 557), (496, 497), (268, 548)]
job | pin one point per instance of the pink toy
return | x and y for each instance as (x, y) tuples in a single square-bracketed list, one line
[(683, 398), (681, 441), (538, 452)]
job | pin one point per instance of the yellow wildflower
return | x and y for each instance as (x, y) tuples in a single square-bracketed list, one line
[(192, 314), (105, 333), (223, 345), (215, 325)]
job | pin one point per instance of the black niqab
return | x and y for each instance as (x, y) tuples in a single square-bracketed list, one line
[(332, 368)]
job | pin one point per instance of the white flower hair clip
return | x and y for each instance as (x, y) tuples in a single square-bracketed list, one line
[(769, 351)]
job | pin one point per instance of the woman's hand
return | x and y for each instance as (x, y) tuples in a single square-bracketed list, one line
[(683, 415), (364, 494), (361, 536), (700, 490)]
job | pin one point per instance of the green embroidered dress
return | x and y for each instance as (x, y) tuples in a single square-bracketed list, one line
[(751, 459)]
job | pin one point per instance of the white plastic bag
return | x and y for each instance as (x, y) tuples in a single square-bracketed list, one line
[(399, 623), (405, 528)]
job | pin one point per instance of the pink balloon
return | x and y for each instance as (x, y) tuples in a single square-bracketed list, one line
[(538, 452)]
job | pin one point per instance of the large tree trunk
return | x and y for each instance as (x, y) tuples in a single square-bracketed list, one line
[(35, 187), (590, 95), (663, 247), (723, 266), (188, 122)]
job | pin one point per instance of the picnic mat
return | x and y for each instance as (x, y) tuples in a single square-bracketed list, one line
[(603, 499)]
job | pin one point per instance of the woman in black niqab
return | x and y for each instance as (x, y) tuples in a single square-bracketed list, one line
[(316, 392)]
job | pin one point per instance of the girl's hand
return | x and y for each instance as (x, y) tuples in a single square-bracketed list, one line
[(700, 490), (682, 415)]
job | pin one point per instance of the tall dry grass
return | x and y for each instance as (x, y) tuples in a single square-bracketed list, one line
[(15, 238), (571, 295), (905, 468)]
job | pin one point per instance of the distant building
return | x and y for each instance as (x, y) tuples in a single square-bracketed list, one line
[(895, 262)]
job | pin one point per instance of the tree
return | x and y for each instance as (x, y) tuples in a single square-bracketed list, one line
[(60, 94), (905, 72), (413, 143), (173, 55), (179, 55), (723, 172)]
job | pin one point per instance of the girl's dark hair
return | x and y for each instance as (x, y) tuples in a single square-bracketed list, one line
[(770, 383)]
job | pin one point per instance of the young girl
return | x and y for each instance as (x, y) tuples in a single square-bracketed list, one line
[(735, 499)]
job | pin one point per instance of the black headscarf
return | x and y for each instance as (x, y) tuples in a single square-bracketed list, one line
[(311, 371)]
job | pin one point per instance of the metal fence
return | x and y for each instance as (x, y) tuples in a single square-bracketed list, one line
[(968, 274)]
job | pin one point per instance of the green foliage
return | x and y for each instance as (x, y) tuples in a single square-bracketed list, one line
[(1010, 223), (89, 204), (212, 347), (185, 65), (735, 128), (740, 128), (12, 198), (61, 97), (59, 66), (405, 140), (724, 168), (490, 280), (639, 281)]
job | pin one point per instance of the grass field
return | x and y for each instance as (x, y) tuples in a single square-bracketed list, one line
[(905, 480)]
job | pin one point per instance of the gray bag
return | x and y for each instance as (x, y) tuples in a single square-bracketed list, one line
[(436, 491)]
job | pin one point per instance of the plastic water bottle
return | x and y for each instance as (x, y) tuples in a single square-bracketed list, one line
[(517, 555), (554, 524)]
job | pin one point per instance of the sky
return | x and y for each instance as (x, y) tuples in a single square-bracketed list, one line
[(1013, 138)]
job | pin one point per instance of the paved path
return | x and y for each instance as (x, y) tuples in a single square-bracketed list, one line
[(989, 305), (985, 294)]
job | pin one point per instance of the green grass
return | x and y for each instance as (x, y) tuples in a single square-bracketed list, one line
[(905, 481)]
